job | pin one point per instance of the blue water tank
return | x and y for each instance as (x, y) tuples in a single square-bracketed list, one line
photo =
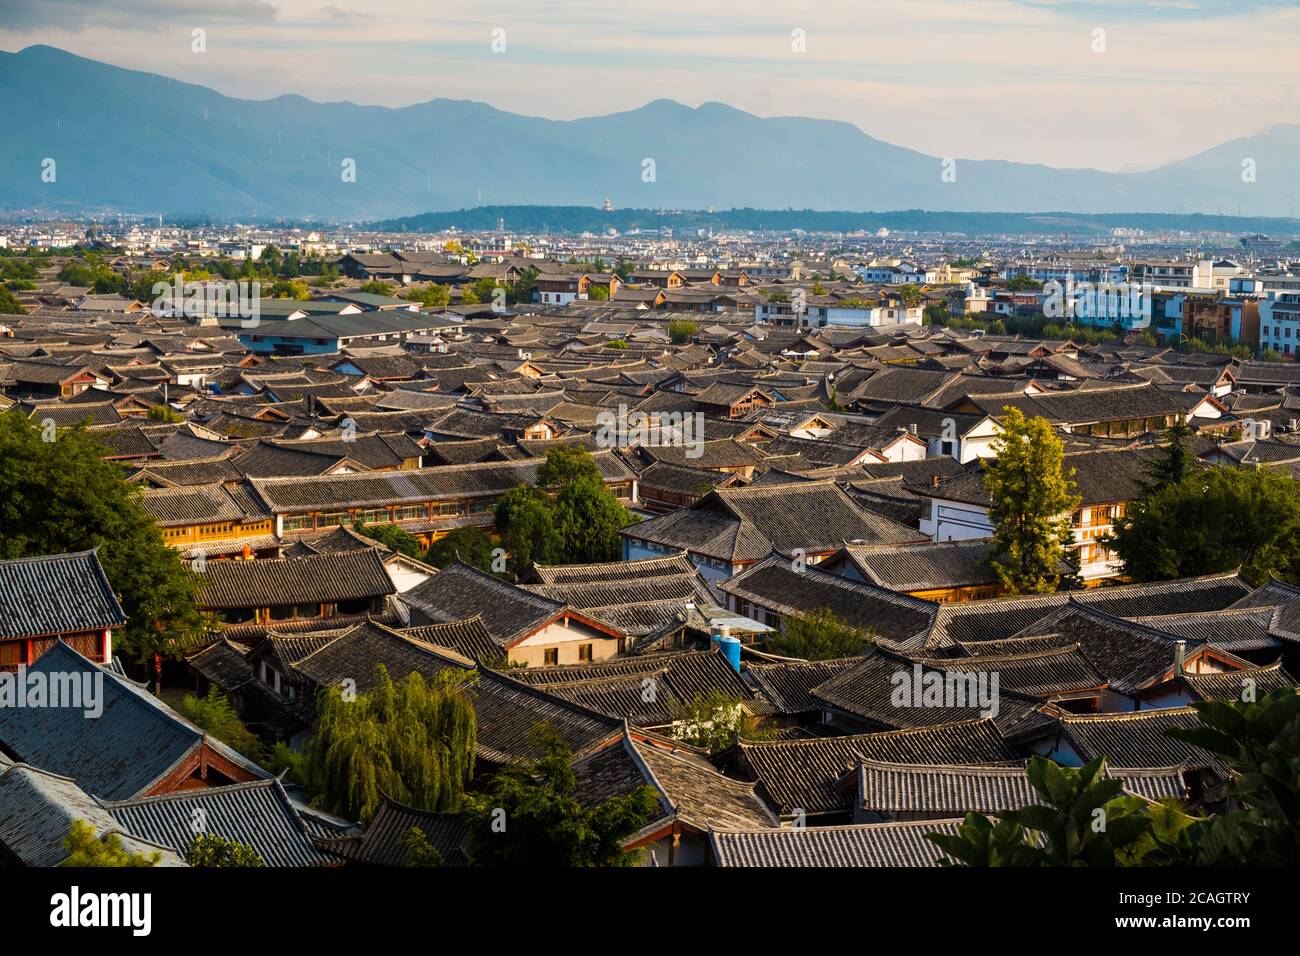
[(731, 650)]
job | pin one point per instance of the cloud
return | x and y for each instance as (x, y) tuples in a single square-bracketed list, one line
[(74, 16), (1156, 9), (343, 13)]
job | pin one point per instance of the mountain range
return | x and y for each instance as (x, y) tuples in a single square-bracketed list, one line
[(128, 141)]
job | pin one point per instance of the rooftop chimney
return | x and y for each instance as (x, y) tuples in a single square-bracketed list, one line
[(1180, 656)]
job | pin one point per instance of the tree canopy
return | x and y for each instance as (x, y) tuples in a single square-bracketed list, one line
[(1212, 520), (471, 545), (1032, 501), (413, 740), (529, 815), (571, 518), (818, 636), (60, 495), (86, 849), (208, 849), (392, 536)]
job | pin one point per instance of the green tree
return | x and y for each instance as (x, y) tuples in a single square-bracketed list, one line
[(1083, 821), (413, 740), (564, 465), (1023, 284), (9, 304), (431, 296), (713, 721), (86, 849), (419, 851), (214, 714), (526, 524), (285, 760), (210, 850), (471, 545), (290, 289), (1032, 504), (485, 289), (522, 289), (392, 536), (1259, 741), (681, 331), (818, 636), (598, 293), (164, 413), (1176, 460), (1215, 519), (529, 816), (376, 287), (60, 495), (910, 294), (588, 517)]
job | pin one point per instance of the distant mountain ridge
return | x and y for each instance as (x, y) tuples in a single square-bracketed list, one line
[(124, 140)]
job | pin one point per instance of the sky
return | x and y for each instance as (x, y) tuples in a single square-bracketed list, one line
[(1069, 83)]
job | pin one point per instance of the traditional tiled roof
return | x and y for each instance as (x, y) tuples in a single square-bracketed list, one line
[(1286, 599), (691, 791), (896, 619), (1233, 685), (923, 567), (747, 524), (1233, 629), (37, 809), (469, 638), (509, 711), (198, 471), (614, 571), (323, 578), (995, 620), (948, 790), (460, 591), (443, 483), (257, 814), (223, 663), (56, 594), (1127, 655), (801, 774), (381, 844), (1136, 738), (644, 689), (198, 504), (1045, 670), (135, 742), (358, 652), (866, 845), (1114, 402), (785, 687)]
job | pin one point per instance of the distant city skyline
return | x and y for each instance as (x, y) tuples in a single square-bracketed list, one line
[(981, 79)]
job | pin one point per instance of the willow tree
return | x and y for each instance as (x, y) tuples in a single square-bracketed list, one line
[(412, 739), (1032, 500)]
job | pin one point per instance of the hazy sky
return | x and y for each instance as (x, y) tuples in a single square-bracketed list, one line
[(980, 79)]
